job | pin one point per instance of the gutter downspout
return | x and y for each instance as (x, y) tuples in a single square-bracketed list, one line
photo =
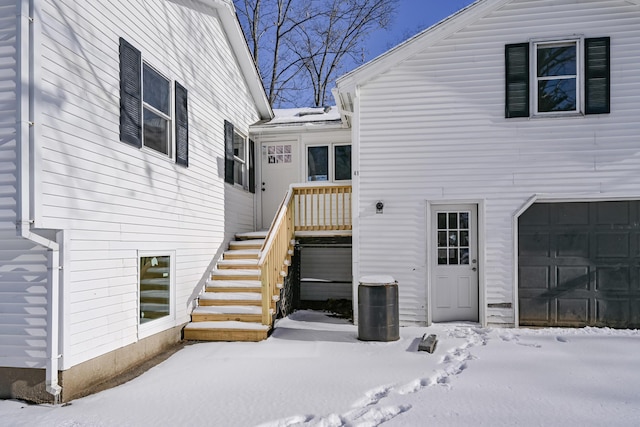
[(27, 130)]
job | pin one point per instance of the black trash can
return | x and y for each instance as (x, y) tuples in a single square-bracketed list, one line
[(378, 317)]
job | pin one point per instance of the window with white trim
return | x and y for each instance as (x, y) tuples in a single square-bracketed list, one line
[(557, 77), (557, 82), (240, 160), (155, 286), (239, 169), (156, 117), (329, 162), (153, 112)]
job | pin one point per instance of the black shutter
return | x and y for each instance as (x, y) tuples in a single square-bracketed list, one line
[(182, 126), (130, 94), (597, 76), (228, 152), (252, 166), (517, 80)]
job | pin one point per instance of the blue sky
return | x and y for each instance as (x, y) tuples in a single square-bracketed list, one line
[(411, 17)]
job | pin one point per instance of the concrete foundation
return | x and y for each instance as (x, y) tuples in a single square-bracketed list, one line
[(93, 375)]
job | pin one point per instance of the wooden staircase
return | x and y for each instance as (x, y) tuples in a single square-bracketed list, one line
[(239, 302), (230, 309)]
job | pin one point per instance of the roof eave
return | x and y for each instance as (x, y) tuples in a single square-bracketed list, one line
[(318, 125)]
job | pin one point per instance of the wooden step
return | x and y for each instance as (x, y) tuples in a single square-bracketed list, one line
[(232, 274), (225, 331), (242, 254), (246, 244), (234, 286), (252, 235), (236, 313), (230, 298), (238, 264)]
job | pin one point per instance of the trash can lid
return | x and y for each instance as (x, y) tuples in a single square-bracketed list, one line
[(377, 280)]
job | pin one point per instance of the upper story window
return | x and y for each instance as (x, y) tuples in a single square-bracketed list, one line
[(563, 77), (239, 159), (152, 115), (156, 115), (329, 162), (557, 77)]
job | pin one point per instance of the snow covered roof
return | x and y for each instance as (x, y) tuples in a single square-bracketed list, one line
[(309, 116)]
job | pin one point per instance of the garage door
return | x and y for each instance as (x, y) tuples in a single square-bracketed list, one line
[(579, 264)]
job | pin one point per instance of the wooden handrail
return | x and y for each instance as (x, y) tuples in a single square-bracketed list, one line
[(306, 207)]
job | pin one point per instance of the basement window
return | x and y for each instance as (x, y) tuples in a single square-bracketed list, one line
[(155, 287)]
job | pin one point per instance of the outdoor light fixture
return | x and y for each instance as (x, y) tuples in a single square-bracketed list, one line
[(379, 206)]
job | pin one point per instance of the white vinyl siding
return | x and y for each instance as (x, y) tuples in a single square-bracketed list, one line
[(432, 128), (23, 303), (113, 199), (8, 115), (23, 265)]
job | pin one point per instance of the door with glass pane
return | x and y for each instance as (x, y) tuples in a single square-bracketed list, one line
[(279, 169), (454, 272)]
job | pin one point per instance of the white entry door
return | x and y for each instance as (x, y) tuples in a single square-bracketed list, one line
[(279, 168), (454, 272)]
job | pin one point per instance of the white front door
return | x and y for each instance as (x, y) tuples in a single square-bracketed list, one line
[(454, 261), (279, 168)]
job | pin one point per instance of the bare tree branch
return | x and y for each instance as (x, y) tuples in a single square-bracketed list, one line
[(300, 46)]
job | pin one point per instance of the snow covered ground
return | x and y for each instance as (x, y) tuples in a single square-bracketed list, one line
[(313, 371)]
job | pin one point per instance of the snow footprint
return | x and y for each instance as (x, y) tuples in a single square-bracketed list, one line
[(509, 337), (455, 360), (417, 385), (372, 397), (373, 417), (296, 420)]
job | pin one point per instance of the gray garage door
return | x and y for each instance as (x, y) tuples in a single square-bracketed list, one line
[(579, 264)]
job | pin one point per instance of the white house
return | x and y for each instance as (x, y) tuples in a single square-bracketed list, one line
[(503, 144), (125, 169)]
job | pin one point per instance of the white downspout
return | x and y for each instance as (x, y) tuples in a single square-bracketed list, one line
[(27, 130)]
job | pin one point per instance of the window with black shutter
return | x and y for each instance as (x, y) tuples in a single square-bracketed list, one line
[(238, 158), (546, 78), (145, 107)]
